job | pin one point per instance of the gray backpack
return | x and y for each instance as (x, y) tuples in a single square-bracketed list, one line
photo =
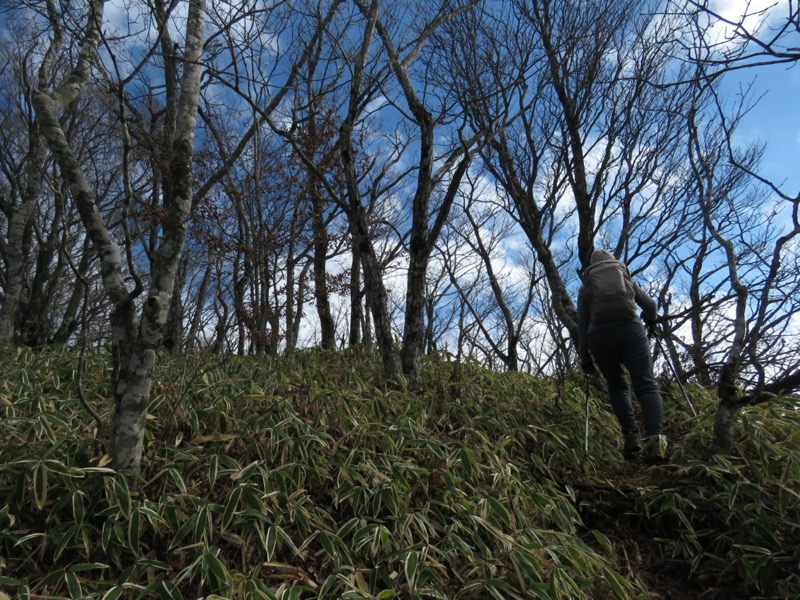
[(610, 289)]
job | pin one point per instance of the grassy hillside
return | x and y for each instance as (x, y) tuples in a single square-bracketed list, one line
[(299, 478)]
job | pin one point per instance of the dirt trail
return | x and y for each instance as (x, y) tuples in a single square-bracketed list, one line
[(612, 504)]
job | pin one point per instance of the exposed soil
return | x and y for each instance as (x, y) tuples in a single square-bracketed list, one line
[(612, 506)]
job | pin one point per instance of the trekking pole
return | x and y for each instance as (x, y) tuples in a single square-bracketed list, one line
[(674, 372), (586, 424)]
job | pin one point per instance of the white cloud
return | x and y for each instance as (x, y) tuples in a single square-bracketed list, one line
[(752, 14)]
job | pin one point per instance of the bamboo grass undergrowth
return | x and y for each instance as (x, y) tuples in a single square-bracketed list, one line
[(301, 477)]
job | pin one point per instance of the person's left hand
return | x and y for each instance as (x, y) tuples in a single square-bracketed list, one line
[(589, 368)]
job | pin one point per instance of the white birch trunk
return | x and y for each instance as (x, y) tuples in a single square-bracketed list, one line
[(133, 392), (134, 341)]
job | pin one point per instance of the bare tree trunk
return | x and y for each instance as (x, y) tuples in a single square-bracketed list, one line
[(377, 297), (242, 273), (290, 315), (133, 394), (422, 235), (293, 329), (697, 351), (69, 322), (321, 294), (173, 328), (135, 342), (319, 228), (356, 308), (36, 323), (727, 408), (17, 225), (220, 331), (202, 294), (532, 221)]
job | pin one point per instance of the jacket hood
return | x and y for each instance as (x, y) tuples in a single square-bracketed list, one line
[(601, 255)]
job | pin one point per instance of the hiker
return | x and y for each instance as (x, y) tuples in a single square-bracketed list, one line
[(612, 334)]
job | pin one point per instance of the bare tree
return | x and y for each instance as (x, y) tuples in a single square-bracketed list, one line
[(441, 312), (422, 235), (356, 202), (690, 293), (586, 138), (760, 254), (23, 172), (752, 38), (385, 76), (757, 234), (502, 284), (315, 136), (42, 294), (135, 340), (264, 83)]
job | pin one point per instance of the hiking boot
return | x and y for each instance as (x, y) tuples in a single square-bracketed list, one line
[(655, 449), (633, 442)]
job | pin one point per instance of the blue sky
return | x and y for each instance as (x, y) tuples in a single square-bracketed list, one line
[(775, 119)]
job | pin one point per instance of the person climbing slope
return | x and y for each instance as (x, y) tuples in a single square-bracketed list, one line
[(611, 333)]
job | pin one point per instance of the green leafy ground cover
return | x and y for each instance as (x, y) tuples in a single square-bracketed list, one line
[(300, 478)]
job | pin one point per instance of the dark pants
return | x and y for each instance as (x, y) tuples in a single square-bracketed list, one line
[(615, 345)]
